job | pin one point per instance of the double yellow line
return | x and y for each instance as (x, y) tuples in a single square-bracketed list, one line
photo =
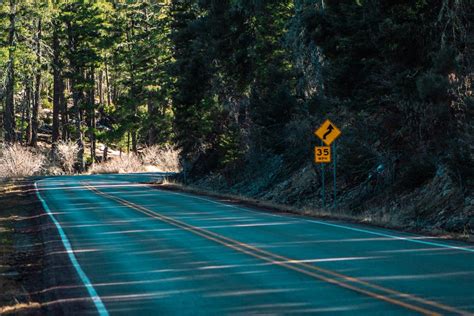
[(424, 306)]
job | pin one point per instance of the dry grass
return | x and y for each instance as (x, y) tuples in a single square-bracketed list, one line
[(165, 158), (156, 158), (20, 308), (17, 161), (125, 164), (67, 154)]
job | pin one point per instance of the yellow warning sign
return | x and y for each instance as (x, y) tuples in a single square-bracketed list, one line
[(328, 132), (322, 154)]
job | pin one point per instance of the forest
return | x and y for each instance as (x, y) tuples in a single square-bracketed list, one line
[(238, 87)]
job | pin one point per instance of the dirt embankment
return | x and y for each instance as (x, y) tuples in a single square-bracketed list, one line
[(36, 277)]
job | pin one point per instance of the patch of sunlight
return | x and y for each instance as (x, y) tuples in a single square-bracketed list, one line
[(144, 296), (251, 292), (418, 276)]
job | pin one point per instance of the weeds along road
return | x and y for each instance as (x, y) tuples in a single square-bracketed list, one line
[(138, 250)]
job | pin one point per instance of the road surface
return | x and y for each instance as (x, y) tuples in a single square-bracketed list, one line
[(142, 251)]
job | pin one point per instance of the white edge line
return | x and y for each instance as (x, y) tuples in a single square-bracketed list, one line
[(82, 275), (435, 244)]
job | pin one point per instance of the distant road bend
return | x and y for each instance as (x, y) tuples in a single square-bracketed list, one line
[(142, 251)]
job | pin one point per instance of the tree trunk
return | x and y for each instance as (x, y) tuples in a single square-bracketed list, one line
[(64, 113), (9, 111), (100, 86), (104, 156), (57, 89), (36, 100), (133, 88), (151, 137), (91, 114), (23, 117), (107, 83), (77, 98), (128, 143), (152, 132), (134, 142), (29, 95)]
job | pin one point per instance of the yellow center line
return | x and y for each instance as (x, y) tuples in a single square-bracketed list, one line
[(292, 264)]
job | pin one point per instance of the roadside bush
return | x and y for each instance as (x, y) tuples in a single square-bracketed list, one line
[(166, 158), (67, 153), (125, 164), (17, 161)]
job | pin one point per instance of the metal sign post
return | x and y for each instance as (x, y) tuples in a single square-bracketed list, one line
[(334, 173), (323, 194), (327, 132)]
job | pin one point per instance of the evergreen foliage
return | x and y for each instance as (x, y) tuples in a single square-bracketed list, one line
[(231, 81)]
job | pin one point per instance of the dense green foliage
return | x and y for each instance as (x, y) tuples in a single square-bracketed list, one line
[(254, 78), (234, 82)]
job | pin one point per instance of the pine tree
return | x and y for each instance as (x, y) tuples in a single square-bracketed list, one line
[(84, 26)]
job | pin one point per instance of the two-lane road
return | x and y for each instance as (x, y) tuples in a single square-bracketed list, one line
[(138, 250)]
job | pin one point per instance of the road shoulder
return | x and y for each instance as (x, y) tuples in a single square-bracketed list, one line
[(281, 209), (36, 276)]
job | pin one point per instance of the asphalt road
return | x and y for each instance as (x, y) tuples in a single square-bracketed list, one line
[(142, 251)]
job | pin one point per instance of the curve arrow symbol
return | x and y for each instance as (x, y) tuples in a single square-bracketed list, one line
[(329, 130)]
